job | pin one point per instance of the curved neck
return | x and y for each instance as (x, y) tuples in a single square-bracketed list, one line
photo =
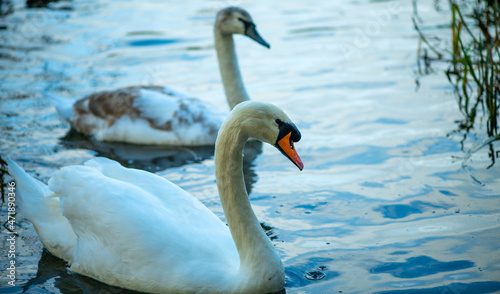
[(229, 70), (259, 262)]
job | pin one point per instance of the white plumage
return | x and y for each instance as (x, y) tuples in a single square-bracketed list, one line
[(136, 230)]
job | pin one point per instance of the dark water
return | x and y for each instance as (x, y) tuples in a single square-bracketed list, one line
[(386, 202)]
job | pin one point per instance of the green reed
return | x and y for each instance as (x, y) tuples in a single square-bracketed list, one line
[(474, 63), (475, 67)]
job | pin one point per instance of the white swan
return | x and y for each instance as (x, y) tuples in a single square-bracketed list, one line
[(133, 229), (160, 115)]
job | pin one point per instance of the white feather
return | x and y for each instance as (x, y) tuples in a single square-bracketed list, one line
[(136, 230)]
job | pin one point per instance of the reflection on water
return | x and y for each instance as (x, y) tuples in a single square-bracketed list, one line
[(396, 211), (477, 287), (148, 157), (384, 204), (420, 266), (53, 275), (154, 158), (38, 3)]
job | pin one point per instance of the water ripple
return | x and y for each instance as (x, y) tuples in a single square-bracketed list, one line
[(420, 266), (453, 288)]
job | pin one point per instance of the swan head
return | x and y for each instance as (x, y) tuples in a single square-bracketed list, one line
[(235, 20), (267, 123)]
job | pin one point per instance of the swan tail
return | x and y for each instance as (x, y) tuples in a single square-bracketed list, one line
[(64, 106), (41, 207)]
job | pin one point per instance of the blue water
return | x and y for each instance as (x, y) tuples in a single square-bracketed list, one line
[(388, 202)]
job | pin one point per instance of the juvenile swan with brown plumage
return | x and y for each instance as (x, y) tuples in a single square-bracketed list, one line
[(136, 230), (160, 115)]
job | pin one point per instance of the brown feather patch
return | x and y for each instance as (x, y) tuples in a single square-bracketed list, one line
[(106, 107), (111, 105)]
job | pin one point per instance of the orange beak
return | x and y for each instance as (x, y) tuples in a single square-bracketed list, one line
[(285, 145)]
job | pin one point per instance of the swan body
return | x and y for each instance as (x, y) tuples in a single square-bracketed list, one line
[(136, 230), (160, 115), (146, 115)]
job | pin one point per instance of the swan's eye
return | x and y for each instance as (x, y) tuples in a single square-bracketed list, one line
[(244, 21), (290, 129), (248, 24)]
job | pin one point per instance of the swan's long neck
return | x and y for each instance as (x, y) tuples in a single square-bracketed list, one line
[(229, 69), (259, 262)]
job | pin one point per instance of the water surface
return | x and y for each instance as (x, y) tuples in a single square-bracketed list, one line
[(385, 203)]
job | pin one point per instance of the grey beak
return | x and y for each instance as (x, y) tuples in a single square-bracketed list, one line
[(253, 34)]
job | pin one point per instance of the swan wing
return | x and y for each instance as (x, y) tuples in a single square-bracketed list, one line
[(130, 237), (147, 115)]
